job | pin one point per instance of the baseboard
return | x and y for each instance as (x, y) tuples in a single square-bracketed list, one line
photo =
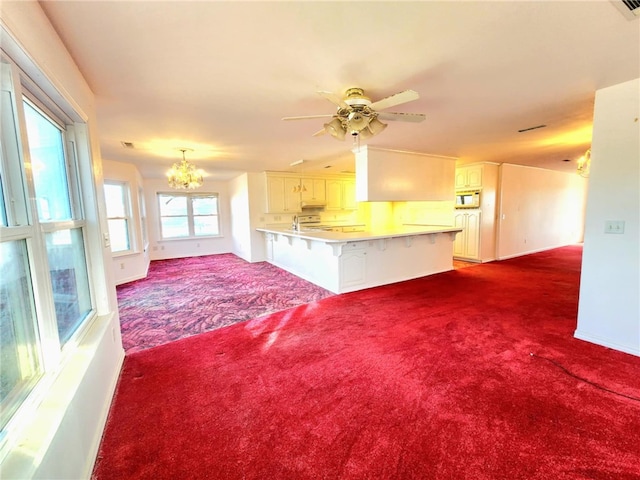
[(604, 342), (133, 278), (530, 252)]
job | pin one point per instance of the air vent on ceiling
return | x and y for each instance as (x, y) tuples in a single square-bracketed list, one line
[(531, 128), (629, 8), (127, 144)]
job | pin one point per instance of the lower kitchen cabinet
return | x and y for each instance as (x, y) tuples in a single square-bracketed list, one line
[(467, 242), (344, 263), (353, 265)]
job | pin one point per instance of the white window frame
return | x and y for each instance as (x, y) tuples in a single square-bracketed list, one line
[(24, 224), (190, 216), (143, 219), (128, 217)]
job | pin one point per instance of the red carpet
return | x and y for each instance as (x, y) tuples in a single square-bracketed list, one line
[(427, 379)]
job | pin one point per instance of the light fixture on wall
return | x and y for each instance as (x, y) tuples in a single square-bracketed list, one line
[(299, 187), (184, 175), (584, 164)]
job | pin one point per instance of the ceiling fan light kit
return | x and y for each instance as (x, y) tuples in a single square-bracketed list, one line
[(357, 116)]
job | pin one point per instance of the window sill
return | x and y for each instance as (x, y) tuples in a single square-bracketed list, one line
[(127, 253), (177, 239)]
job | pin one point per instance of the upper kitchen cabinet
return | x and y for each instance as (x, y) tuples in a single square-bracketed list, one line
[(341, 194), (469, 177), (289, 193), (391, 175), (314, 189), (282, 194)]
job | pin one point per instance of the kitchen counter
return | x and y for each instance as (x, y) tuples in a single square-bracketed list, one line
[(348, 261), (375, 234)]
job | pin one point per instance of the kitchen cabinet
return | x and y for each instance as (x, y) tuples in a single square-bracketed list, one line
[(467, 243), (469, 177), (281, 197), (341, 194), (352, 228), (353, 265), (346, 262), (315, 189)]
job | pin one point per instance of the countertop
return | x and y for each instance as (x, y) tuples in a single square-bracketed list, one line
[(375, 234)]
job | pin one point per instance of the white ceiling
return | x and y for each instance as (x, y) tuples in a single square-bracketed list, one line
[(218, 77)]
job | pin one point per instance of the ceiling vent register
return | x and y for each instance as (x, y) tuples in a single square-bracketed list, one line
[(629, 8)]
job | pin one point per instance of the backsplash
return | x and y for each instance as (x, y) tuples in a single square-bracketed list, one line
[(377, 215)]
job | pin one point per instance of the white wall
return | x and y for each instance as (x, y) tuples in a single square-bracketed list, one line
[(59, 433), (163, 249), (134, 265), (240, 216), (539, 209), (609, 307)]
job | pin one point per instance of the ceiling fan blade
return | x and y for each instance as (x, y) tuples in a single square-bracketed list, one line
[(333, 98), (308, 117), (397, 99), (319, 132), (402, 117)]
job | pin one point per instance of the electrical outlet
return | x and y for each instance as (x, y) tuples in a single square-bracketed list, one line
[(122, 266), (614, 226)]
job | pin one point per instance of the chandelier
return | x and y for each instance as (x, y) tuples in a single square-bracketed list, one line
[(184, 175)]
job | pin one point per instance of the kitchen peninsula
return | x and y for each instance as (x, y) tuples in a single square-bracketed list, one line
[(348, 261)]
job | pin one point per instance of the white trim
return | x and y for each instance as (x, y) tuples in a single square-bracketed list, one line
[(604, 342)]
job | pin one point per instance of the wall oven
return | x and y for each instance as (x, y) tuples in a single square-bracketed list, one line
[(468, 199)]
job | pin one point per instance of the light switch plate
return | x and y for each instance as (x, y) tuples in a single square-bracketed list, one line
[(614, 226)]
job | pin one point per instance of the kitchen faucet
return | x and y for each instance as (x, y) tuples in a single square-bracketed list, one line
[(296, 224)]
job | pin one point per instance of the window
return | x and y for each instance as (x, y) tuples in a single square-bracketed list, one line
[(188, 215), (19, 357), (45, 293), (58, 209), (118, 215)]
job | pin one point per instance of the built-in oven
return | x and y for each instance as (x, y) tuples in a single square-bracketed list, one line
[(468, 199)]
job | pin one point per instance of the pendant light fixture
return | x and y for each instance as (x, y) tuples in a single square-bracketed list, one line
[(584, 164), (184, 175)]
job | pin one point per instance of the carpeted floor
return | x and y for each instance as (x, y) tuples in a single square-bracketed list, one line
[(188, 296), (469, 374)]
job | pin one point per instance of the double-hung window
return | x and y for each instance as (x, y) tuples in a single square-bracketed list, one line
[(117, 196), (188, 215), (45, 295)]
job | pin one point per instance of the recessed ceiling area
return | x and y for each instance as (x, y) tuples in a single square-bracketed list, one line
[(218, 77)]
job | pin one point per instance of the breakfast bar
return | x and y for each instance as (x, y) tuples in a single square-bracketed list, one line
[(348, 261)]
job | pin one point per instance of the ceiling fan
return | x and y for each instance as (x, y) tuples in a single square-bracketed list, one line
[(359, 117)]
